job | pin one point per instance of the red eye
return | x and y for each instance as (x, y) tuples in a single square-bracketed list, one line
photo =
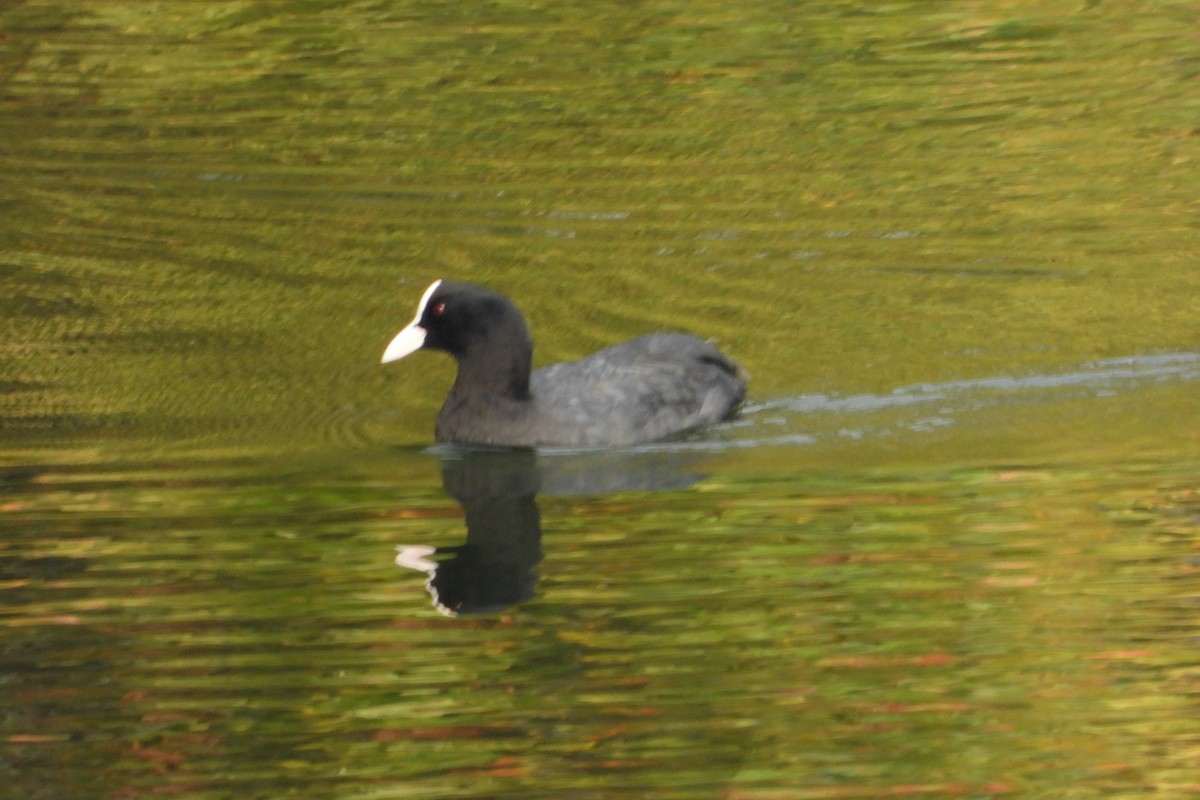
[(438, 309)]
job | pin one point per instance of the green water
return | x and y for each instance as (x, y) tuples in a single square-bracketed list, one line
[(952, 548)]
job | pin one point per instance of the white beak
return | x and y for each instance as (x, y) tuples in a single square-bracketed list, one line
[(412, 337), (406, 341)]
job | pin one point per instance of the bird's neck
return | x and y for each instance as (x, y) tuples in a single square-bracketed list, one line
[(499, 376)]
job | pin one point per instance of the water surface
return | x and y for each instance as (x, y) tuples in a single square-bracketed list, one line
[(950, 548)]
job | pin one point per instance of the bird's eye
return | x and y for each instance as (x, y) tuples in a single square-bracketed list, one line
[(438, 309)]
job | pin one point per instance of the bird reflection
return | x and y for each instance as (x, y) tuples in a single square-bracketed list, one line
[(496, 568)]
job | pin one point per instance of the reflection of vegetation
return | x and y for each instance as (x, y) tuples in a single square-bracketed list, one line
[(227, 178), (25, 26), (849, 633), (206, 207)]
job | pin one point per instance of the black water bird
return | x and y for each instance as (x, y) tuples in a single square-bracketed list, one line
[(644, 389)]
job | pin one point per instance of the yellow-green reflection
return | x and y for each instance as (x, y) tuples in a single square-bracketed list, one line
[(944, 553)]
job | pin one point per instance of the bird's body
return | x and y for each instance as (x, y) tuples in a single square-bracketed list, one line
[(644, 389)]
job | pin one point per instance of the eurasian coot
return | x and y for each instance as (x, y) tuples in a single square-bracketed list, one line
[(644, 389)]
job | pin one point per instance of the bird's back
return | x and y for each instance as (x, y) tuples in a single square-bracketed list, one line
[(644, 389)]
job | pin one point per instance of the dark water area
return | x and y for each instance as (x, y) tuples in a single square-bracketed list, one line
[(951, 547)]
